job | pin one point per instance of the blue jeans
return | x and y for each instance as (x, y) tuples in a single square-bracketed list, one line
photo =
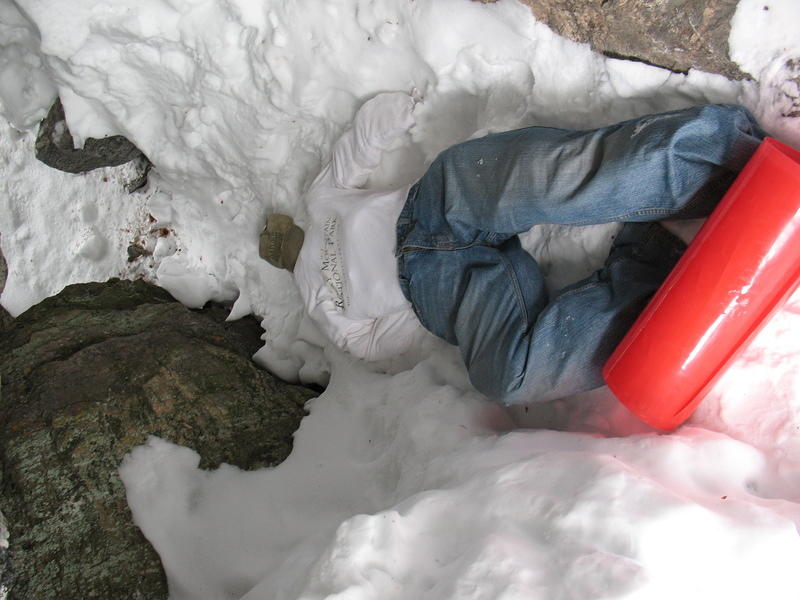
[(471, 283)]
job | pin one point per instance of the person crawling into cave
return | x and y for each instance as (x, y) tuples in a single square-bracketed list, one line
[(444, 252)]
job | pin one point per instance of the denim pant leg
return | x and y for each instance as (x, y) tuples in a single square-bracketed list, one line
[(675, 164), (483, 299), (470, 283), (577, 331)]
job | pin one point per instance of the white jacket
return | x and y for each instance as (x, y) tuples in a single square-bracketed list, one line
[(346, 271)]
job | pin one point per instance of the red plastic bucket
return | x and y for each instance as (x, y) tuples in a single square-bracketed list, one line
[(741, 266)]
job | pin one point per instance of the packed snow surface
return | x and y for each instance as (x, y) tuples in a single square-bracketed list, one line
[(403, 482)]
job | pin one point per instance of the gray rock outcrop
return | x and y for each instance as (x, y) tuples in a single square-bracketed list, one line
[(55, 147), (86, 376), (3, 271), (5, 572), (674, 34)]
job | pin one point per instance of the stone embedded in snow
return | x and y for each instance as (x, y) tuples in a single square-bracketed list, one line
[(89, 374), (675, 34), (3, 270), (55, 147)]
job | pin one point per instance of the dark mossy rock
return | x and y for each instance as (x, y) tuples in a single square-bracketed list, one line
[(5, 318), (675, 34), (86, 376), (3, 271), (55, 148)]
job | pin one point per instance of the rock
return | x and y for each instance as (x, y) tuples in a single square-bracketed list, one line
[(5, 570), (5, 317), (139, 181), (674, 34), (136, 251), (55, 147), (791, 88), (3, 271), (91, 373)]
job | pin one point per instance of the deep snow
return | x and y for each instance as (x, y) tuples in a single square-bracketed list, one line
[(403, 482)]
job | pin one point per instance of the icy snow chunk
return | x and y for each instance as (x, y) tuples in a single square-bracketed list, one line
[(161, 208), (630, 79), (764, 41), (189, 284), (762, 31), (94, 247), (26, 89), (165, 246)]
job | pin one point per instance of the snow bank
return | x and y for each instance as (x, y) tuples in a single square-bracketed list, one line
[(403, 483), (26, 89), (59, 228), (764, 42), (406, 488)]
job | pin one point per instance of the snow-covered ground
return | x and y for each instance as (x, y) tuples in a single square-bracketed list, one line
[(403, 482)]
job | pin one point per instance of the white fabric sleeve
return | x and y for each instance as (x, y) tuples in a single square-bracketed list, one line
[(377, 124), (368, 339), (384, 337)]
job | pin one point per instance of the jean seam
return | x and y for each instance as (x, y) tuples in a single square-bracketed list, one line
[(413, 304), (416, 248), (493, 236), (517, 292), (626, 216), (574, 291)]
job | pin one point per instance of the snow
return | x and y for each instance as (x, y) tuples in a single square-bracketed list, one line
[(27, 89), (764, 44), (59, 228), (403, 481), (407, 488)]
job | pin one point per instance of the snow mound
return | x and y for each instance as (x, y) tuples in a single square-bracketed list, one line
[(405, 488)]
